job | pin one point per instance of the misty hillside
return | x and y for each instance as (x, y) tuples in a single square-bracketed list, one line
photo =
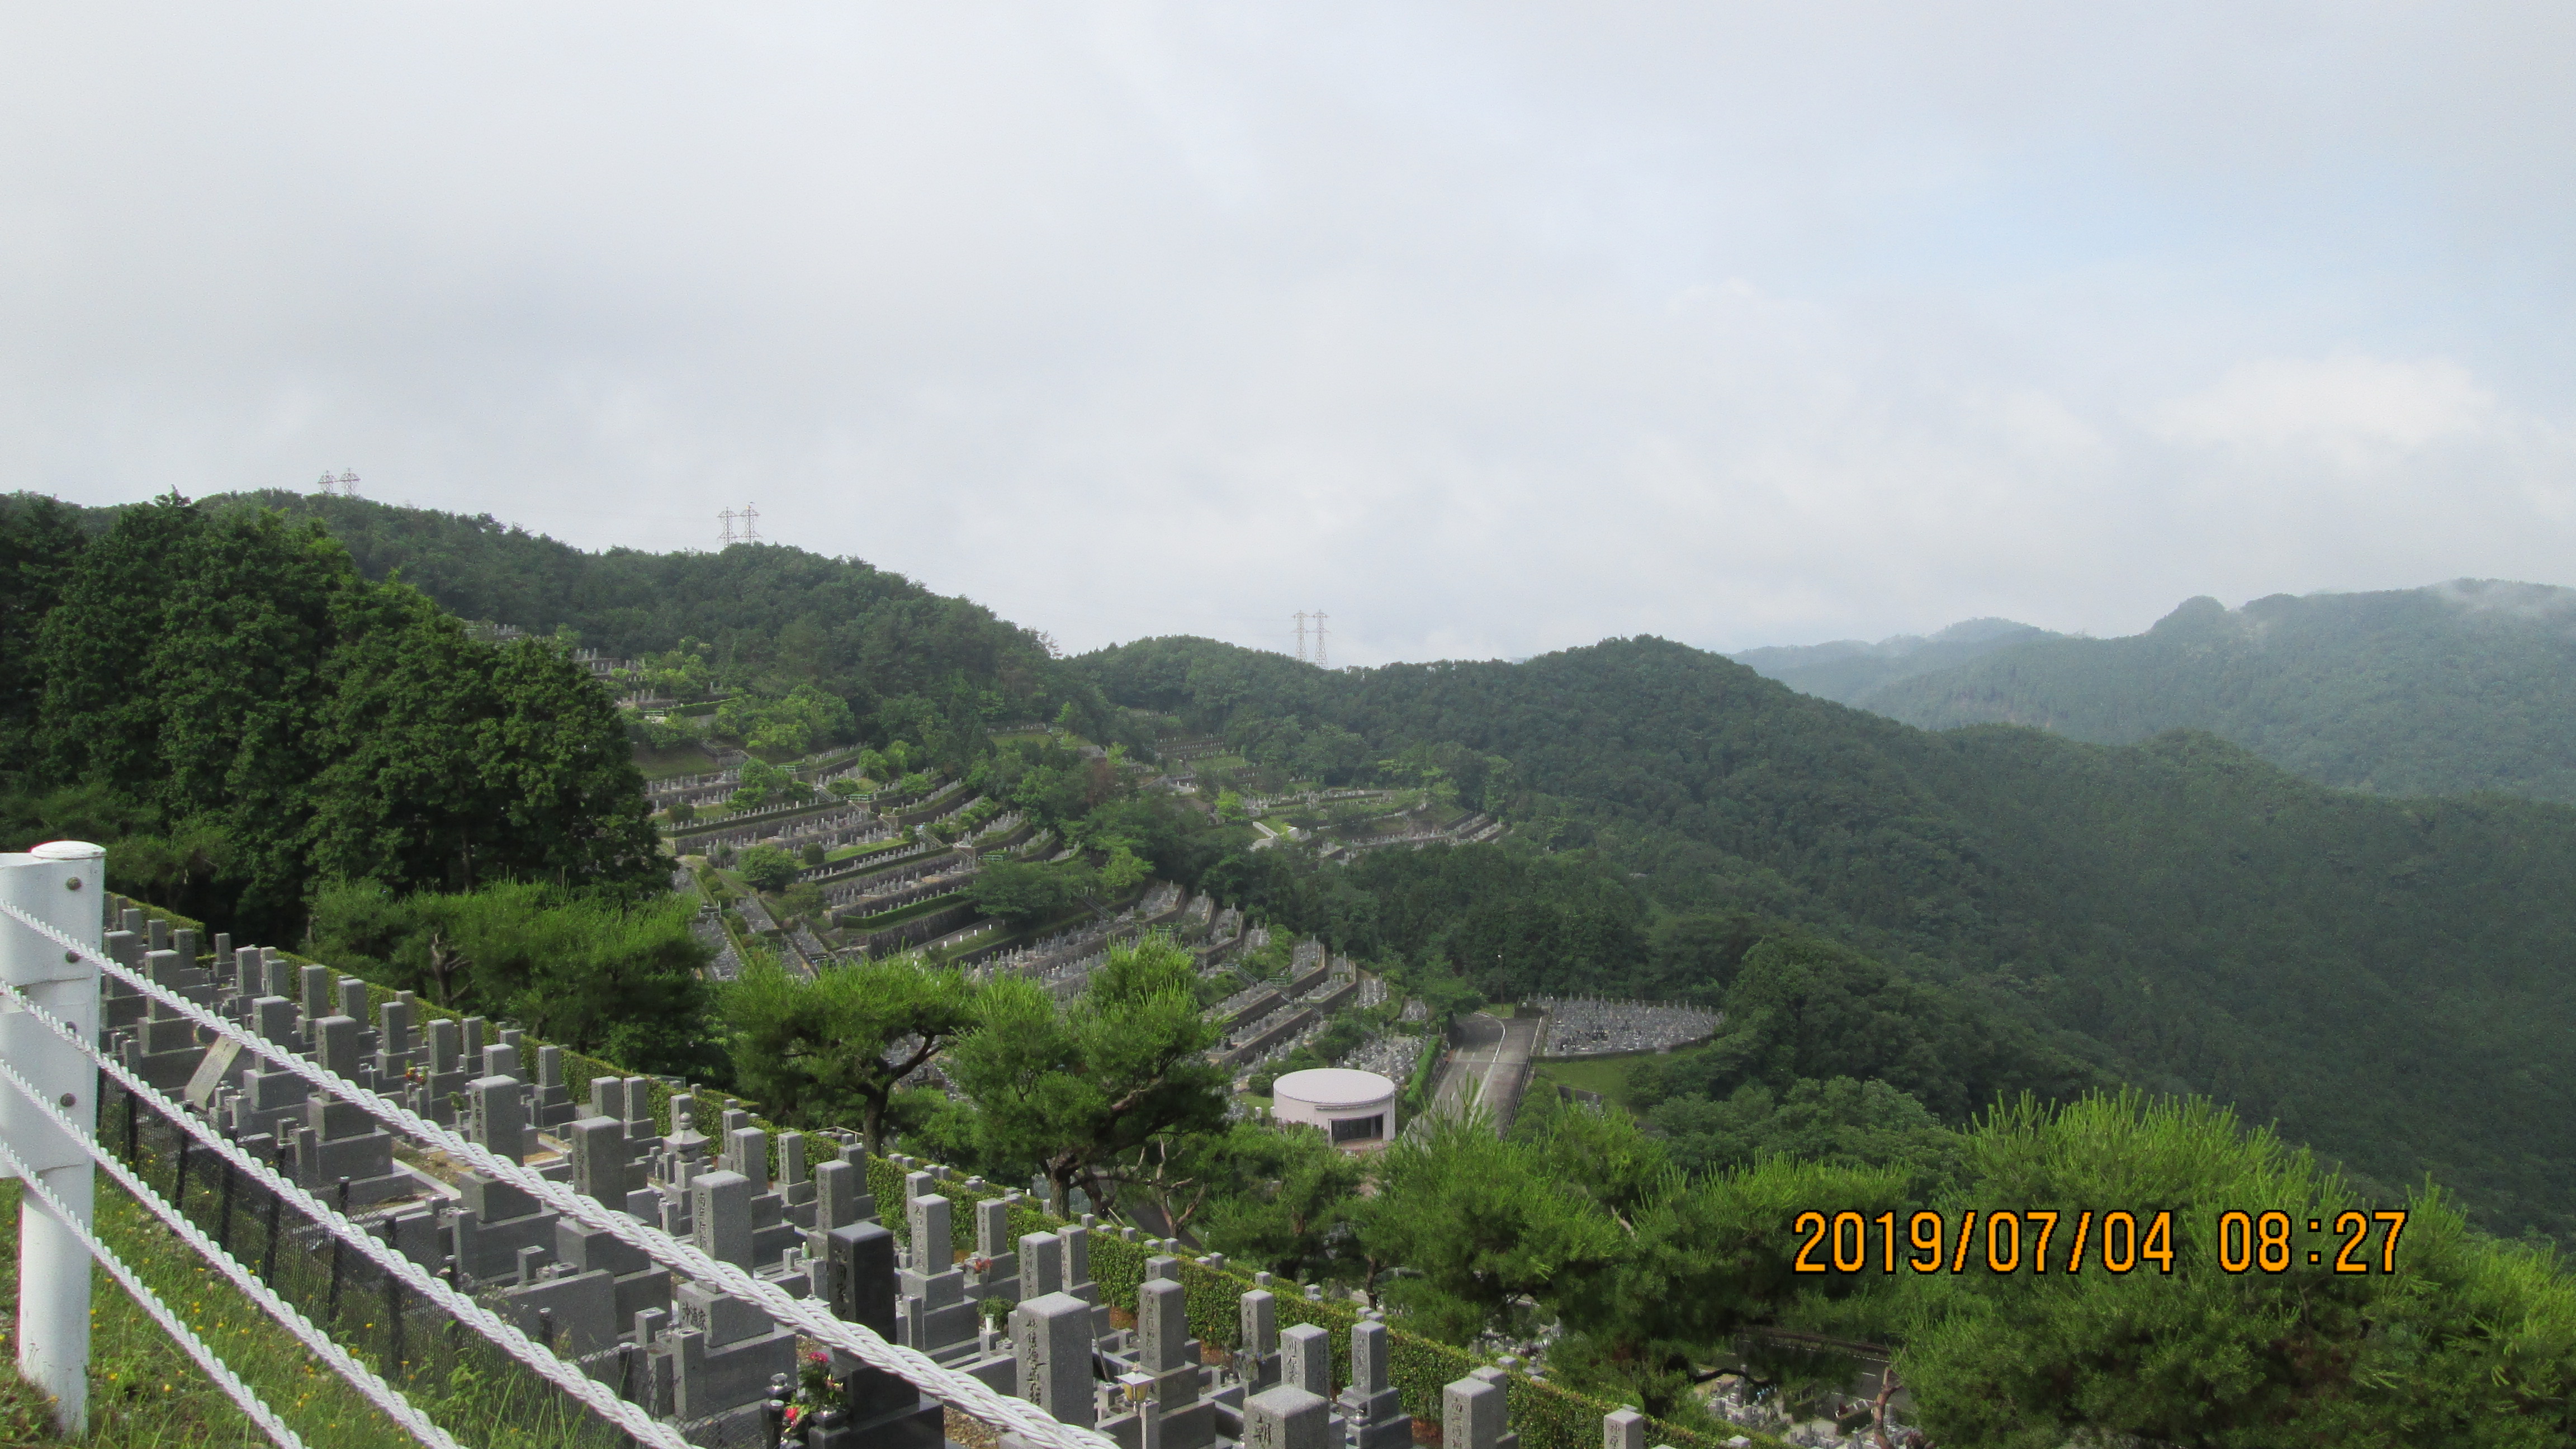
[(2460, 687), (1847, 671), (2384, 978)]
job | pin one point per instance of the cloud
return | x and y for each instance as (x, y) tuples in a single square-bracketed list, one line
[(2353, 409), (1486, 329)]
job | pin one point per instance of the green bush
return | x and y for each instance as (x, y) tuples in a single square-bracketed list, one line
[(768, 867)]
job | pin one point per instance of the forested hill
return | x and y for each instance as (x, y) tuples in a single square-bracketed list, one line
[(222, 700), (1848, 671), (771, 616), (2386, 978), (2462, 687)]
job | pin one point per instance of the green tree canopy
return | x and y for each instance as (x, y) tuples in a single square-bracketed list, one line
[(1281, 1200), (1841, 1122), (2471, 1342), (254, 716), (1478, 1223), (832, 1049), (1025, 892), (453, 762), (40, 542), (1086, 1091), (768, 867), (589, 972), (802, 719)]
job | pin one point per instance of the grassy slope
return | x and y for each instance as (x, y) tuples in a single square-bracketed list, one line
[(1607, 1075), (677, 760), (145, 1393)]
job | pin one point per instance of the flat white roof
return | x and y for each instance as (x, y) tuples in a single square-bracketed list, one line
[(1330, 1087)]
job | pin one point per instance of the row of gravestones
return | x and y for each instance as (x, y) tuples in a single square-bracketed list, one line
[(691, 1353), (446, 1070), (1597, 1026)]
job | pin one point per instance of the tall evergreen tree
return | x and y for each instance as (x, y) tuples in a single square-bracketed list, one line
[(1086, 1091), (40, 540), (229, 701)]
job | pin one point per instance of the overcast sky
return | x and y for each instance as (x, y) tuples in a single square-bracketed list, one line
[(1485, 329)]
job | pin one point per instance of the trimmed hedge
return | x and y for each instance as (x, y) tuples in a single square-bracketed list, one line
[(1426, 1071), (946, 900), (953, 915), (740, 818)]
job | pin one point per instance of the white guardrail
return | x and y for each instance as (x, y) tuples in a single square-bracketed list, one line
[(51, 963)]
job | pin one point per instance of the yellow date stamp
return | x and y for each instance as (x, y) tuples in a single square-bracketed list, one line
[(2116, 1241)]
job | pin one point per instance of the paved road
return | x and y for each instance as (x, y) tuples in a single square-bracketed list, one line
[(1491, 1067)]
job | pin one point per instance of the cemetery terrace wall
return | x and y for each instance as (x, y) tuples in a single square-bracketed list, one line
[(915, 931)]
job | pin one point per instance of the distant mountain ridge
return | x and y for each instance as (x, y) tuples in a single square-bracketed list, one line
[(2451, 689), (2383, 979), (1847, 670)]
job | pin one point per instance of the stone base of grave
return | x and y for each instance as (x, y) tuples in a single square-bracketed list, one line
[(580, 1310), (744, 1428), (368, 1191), (1191, 1427), (170, 1067), (881, 1411)]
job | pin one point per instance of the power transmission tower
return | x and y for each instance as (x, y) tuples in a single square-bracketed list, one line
[(1320, 662), (750, 517), (324, 487), (727, 516), (348, 484), (1300, 617)]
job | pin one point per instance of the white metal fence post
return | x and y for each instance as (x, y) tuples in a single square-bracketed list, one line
[(64, 885)]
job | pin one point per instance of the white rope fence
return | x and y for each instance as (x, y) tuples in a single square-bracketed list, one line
[(384, 1395), (501, 1331), (241, 1393), (968, 1394)]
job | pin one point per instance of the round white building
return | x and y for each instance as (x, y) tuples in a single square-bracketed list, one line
[(1350, 1106)]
